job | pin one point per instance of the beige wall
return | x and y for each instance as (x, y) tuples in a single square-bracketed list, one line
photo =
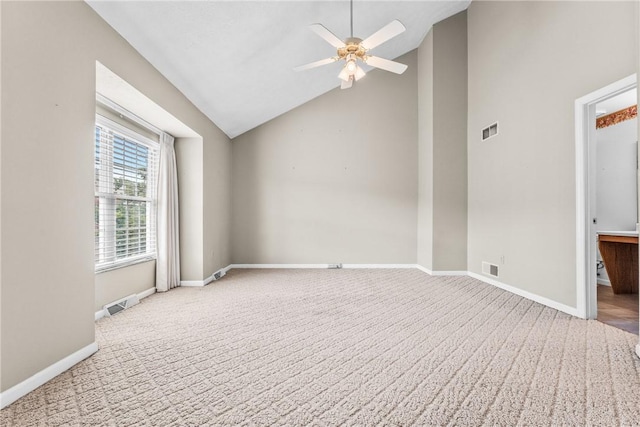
[(119, 283), (49, 53), (216, 207), (191, 201), (450, 143), (442, 88), (425, 152), (528, 63), (334, 180)]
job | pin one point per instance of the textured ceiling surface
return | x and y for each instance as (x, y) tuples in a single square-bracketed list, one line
[(234, 59)]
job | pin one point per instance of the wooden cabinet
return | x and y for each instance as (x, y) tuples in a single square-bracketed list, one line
[(620, 256)]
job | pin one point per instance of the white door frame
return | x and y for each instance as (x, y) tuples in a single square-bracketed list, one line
[(585, 114)]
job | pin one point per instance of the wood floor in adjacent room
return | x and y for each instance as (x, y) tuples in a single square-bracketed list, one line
[(344, 347), (620, 311)]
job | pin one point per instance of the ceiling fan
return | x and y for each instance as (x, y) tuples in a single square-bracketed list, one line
[(354, 49)]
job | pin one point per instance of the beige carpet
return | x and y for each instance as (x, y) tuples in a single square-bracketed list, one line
[(327, 347)]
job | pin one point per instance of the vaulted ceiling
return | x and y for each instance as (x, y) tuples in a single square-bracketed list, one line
[(234, 59)]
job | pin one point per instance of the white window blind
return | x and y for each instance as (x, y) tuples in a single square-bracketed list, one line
[(125, 195)]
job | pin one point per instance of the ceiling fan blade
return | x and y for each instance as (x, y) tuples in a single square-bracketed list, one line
[(346, 84), (359, 74), (385, 64), (385, 33), (315, 64), (331, 38)]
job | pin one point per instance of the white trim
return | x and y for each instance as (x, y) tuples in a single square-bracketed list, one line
[(424, 269), (537, 298), (128, 262), (128, 114), (147, 293), (100, 313), (279, 266), (450, 273), (604, 282), (321, 266), (205, 282), (525, 294), (17, 391), (585, 296), (378, 266), (441, 273), (257, 266), (130, 133), (208, 280), (192, 283)]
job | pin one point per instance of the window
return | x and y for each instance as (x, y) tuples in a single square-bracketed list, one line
[(125, 195)]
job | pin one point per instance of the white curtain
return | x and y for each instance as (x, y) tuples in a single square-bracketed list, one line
[(167, 236)]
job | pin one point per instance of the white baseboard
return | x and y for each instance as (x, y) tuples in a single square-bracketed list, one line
[(192, 283), (257, 266), (450, 273), (378, 266), (537, 298), (441, 273), (205, 282), (100, 313), (279, 266), (196, 283), (17, 391), (424, 269), (528, 295), (146, 293), (604, 282)]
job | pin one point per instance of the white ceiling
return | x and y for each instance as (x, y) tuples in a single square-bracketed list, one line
[(234, 59)]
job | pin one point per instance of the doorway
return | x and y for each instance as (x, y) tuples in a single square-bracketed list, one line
[(616, 197), (600, 199)]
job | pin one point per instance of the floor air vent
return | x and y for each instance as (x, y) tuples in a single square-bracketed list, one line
[(122, 304), (490, 269)]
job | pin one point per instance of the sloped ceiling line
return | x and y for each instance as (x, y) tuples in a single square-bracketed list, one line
[(234, 60)]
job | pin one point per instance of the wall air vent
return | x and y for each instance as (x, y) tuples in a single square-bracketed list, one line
[(122, 304), (490, 131), (489, 269)]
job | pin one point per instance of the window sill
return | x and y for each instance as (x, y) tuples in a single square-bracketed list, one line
[(123, 264)]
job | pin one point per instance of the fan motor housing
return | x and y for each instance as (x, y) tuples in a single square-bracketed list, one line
[(352, 47)]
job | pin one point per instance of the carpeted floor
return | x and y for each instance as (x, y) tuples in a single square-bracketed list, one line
[(329, 347)]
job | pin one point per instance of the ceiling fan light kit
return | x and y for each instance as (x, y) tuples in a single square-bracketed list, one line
[(355, 49)]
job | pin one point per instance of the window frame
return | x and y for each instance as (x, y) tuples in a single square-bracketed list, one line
[(108, 195)]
